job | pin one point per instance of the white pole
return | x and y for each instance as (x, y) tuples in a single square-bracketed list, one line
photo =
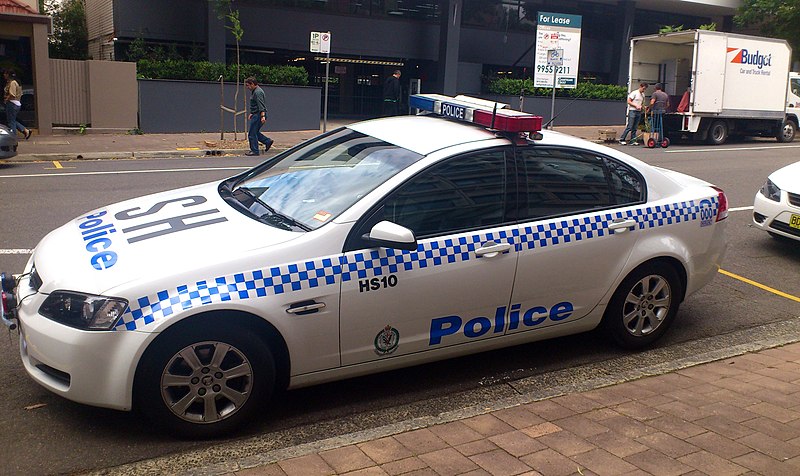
[(553, 101), (327, 71)]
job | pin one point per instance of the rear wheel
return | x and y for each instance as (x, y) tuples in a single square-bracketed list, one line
[(643, 306), (718, 133), (787, 131), (202, 383), (665, 142)]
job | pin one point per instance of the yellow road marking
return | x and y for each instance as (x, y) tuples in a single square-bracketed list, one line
[(187, 148), (57, 164), (759, 285)]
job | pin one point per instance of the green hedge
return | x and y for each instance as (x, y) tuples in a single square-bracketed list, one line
[(511, 87), (206, 71)]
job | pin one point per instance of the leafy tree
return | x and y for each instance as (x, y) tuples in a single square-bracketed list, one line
[(773, 18), (70, 38)]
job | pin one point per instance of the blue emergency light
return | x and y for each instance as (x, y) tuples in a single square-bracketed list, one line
[(489, 114)]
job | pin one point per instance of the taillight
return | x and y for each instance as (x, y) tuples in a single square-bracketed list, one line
[(722, 210)]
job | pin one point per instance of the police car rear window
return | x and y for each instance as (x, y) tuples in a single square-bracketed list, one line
[(313, 184)]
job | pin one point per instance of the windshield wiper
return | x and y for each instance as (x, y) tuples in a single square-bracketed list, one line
[(274, 218)]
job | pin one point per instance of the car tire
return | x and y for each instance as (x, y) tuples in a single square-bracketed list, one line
[(643, 306), (718, 132), (786, 132), (204, 382)]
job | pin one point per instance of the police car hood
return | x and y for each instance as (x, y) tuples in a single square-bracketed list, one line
[(178, 230)]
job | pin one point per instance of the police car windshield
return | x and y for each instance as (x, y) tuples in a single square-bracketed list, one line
[(317, 181)]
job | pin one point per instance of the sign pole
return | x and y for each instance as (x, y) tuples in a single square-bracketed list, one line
[(327, 71), (553, 101)]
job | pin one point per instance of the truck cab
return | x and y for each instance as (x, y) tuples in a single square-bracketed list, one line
[(793, 98)]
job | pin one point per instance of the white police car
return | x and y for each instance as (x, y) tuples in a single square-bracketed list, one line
[(776, 208), (384, 244)]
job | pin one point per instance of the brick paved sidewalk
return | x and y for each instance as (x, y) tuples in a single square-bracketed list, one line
[(735, 416)]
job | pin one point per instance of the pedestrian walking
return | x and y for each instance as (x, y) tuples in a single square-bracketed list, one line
[(635, 101), (257, 117), (392, 94), (12, 95)]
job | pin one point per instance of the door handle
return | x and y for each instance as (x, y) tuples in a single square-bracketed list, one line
[(491, 249), (621, 225), (305, 307)]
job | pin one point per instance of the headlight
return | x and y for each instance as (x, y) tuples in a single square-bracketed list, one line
[(83, 311), (771, 191), (3, 131)]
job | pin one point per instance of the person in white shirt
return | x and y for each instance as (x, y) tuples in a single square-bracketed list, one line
[(635, 101)]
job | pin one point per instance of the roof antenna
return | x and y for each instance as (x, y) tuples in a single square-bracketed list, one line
[(494, 114)]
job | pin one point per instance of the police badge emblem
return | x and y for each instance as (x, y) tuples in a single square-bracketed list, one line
[(387, 340)]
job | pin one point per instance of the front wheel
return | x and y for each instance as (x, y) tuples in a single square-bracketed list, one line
[(202, 383), (665, 143), (786, 132), (643, 306)]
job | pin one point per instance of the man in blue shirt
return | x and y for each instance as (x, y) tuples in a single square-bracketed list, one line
[(257, 117)]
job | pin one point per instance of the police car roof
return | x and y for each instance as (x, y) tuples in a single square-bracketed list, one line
[(422, 134)]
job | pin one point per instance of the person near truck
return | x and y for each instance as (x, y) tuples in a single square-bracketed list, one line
[(659, 103), (635, 103)]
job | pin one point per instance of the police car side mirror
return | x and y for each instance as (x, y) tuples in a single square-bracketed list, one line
[(391, 235)]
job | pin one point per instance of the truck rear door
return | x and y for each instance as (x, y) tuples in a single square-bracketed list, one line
[(709, 74)]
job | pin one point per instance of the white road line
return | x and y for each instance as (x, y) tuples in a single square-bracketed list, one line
[(719, 149), (124, 172), (740, 209)]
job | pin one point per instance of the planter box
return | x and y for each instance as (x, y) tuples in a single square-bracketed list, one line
[(570, 112)]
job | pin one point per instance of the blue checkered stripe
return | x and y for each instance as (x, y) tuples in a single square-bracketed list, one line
[(579, 229), (248, 285), (332, 270), (305, 275)]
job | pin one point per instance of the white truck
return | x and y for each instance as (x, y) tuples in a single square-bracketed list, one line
[(728, 84)]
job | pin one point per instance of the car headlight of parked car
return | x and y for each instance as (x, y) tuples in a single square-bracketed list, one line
[(771, 191), (83, 311)]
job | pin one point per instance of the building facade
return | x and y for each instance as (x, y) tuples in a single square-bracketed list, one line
[(450, 46)]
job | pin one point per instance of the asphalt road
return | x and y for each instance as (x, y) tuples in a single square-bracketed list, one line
[(45, 434)]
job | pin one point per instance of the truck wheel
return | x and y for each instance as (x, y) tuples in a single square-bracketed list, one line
[(202, 383), (643, 306), (786, 133), (718, 133)]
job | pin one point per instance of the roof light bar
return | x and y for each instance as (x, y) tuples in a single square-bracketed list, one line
[(477, 111)]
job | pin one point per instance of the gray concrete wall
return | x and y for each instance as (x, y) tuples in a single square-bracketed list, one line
[(571, 112), (193, 106)]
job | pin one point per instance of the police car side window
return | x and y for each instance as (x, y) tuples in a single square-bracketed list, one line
[(626, 184), (463, 193), (559, 181)]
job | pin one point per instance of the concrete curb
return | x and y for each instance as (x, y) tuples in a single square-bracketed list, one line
[(148, 154)]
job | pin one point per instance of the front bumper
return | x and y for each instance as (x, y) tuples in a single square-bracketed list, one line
[(91, 367), (775, 217)]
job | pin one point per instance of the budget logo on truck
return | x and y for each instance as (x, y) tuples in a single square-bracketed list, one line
[(755, 58)]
